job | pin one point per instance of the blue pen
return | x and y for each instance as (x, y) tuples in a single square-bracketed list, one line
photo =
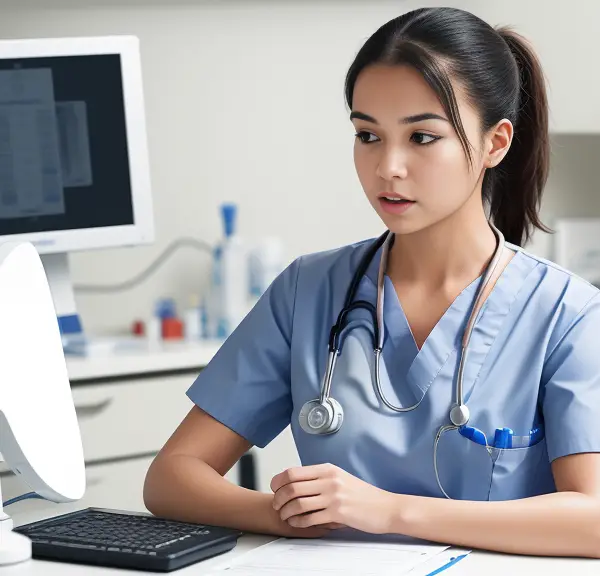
[(473, 434), (503, 438), (448, 564)]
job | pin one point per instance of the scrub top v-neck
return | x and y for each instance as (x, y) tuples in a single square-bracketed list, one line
[(533, 362)]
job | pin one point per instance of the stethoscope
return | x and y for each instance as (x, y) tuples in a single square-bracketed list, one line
[(324, 415)]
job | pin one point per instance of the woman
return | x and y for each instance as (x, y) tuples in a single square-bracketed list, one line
[(452, 145)]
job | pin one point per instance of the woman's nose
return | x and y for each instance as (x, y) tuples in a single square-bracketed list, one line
[(392, 164)]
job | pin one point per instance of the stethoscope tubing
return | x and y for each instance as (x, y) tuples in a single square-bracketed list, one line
[(459, 412)]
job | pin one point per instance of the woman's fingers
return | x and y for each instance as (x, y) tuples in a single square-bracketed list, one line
[(302, 505), (297, 490)]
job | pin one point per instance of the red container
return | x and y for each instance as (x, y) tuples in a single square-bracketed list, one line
[(172, 329)]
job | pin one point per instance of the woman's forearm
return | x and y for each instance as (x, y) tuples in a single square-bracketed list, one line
[(558, 524), (185, 488)]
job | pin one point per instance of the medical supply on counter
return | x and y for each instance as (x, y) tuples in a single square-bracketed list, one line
[(193, 319), (229, 288), (165, 324), (172, 329), (154, 330), (204, 318), (577, 247), (165, 308), (265, 262), (238, 277), (138, 328)]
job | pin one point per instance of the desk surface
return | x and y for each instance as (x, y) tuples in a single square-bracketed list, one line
[(478, 563), (141, 358)]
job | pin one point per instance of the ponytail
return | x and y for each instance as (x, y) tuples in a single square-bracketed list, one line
[(516, 187)]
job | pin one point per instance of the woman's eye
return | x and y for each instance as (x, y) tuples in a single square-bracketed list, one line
[(365, 137), (423, 139)]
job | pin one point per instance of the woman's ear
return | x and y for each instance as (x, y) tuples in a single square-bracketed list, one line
[(497, 143)]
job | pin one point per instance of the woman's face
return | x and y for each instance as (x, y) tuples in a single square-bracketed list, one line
[(406, 148)]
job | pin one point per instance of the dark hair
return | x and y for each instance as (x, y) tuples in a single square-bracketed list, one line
[(501, 77)]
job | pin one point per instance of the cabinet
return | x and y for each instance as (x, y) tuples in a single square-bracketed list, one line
[(130, 416)]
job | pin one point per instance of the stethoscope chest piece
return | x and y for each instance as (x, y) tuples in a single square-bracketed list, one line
[(318, 417)]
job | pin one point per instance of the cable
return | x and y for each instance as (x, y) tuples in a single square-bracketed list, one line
[(144, 274), (22, 497)]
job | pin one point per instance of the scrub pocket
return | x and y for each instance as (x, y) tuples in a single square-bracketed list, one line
[(464, 467), (521, 472)]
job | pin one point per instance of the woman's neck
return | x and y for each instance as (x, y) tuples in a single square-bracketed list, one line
[(455, 250)]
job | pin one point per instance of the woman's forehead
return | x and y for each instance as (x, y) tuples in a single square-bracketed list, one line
[(400, 90)]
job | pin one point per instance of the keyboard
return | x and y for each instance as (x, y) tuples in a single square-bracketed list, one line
[(125, 539)]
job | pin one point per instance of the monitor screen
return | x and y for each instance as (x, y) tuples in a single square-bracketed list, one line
[(63, 144)]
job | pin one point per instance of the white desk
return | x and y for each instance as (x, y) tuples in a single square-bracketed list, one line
[(478, 563)]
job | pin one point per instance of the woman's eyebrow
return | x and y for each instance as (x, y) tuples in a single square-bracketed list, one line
[(406, 120)]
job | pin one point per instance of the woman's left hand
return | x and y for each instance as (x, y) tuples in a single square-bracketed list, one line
[(325, 494)]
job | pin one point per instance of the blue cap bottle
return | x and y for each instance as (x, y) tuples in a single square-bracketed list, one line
[(229, 212)]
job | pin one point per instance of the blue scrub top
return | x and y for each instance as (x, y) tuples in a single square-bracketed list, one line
[(533, 361)]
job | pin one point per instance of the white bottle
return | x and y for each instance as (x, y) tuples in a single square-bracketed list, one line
[(266, 262), (192, 319), (233, 275), (213, 303)]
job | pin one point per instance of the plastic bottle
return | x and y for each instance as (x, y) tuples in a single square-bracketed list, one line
[(266, 262), (204, 318), (213, 303), (192, 319), (230, 276), (165, 308), (154, 330)]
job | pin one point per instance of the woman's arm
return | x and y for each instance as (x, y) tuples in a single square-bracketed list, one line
[(565, 523), (185, 481)]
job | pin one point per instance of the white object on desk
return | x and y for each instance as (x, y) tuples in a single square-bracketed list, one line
[(360, 555), (39, 432), (577, 247)]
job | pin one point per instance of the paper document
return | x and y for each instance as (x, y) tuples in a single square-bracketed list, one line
[(336, 556)]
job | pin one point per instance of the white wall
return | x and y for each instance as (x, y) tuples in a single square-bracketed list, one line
[(245, 103)]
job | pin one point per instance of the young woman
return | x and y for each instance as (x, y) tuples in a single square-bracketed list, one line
[(457, 398)]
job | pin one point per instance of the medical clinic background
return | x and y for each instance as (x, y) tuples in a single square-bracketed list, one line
[(246, 122)]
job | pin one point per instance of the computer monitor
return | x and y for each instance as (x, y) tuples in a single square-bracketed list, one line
[(74, 169)]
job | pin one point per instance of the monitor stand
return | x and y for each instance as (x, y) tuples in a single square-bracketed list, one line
[(14, 547), (75, 341), (61, 286)]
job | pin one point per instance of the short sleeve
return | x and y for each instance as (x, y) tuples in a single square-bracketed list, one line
[(571, 395), (246, 385)]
